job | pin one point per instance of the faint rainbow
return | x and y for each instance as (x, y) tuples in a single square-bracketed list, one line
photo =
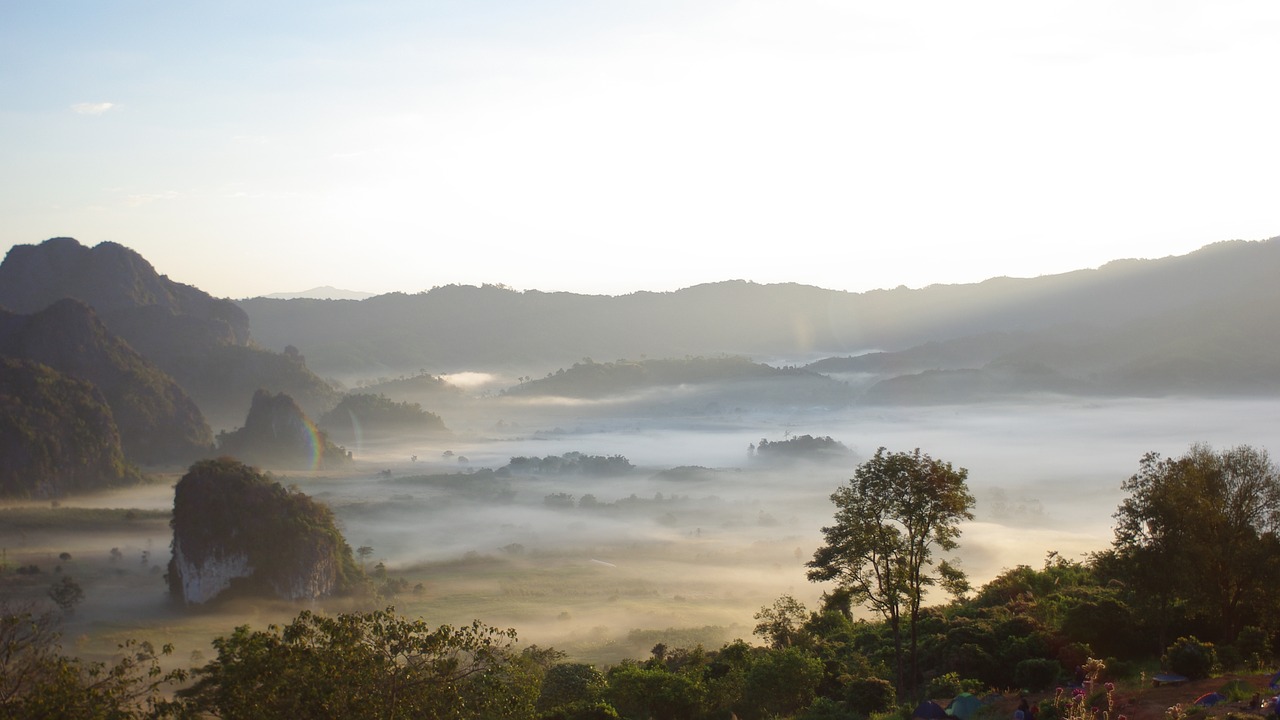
[(316, 439)]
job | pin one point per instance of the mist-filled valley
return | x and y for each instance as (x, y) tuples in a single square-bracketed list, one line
[(682, 548), (171, 472)]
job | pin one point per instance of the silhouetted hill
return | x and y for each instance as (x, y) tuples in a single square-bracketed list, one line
[(201, 341), (700, 380), (113, 280), (1224, 346), (57, 435), (157, 421), (464, 327), (325, 292), (362, 415), (278, 434)]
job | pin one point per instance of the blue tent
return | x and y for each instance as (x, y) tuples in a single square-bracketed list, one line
[(929, 710), (1275, 682), (1210, 699), (964, 706)]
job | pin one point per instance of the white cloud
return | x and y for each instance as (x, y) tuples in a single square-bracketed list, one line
[(147, 198), (92, 108)]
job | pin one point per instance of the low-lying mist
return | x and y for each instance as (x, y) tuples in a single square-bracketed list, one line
[(605, 567)]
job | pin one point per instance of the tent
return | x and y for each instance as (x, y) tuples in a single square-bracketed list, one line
[(929, 710), (964, 706), (1274, 684), (1210, 699)]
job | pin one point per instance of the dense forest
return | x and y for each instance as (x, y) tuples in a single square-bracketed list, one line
[(1183, 589)]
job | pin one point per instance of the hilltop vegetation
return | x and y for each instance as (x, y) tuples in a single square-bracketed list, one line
[(157, 421), (236, 530), (57, 435), (363, 414)]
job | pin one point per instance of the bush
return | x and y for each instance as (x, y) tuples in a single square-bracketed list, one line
[(581, 710), (869, 695), (1230, 657), (951, 685), (1036, 674), (1255, 645), (1190, 657), (1122, 669)]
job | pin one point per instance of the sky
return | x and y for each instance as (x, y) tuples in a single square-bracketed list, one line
[(612, 146)]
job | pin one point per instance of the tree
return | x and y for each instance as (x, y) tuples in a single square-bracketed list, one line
[(782, 623), (889, 518), (366, 665), (780, 683), (38, 681), (568, 683), (1202, 529), (66, 593)]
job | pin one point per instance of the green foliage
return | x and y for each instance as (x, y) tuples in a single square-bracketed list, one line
[(889, 519), (1254, 645), (1190, 657), (641, 692), (57, 434), (570, 463), (581, 711), (570, 683), (781, 624), (951, 684), (37, 681), (1036, 674), (803, 447), (365, 665), (779, 683), (156, 419), (1200, 530), (871, 695)]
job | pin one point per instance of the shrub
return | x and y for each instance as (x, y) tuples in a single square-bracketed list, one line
[(1036, 674), (950, 685), (1254, 644), (869, 695), (1190, 657)]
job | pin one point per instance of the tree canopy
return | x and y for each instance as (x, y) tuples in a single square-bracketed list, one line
[(1202, 528), (889, 518)]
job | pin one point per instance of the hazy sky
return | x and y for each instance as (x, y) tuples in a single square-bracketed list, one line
[(611, 146)]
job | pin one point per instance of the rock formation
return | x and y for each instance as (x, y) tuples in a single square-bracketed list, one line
[(236, 531), (277, 433)]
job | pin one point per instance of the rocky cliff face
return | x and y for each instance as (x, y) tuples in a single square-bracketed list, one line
[(157, 421), (235, 531), (57, 434), (277, 433)]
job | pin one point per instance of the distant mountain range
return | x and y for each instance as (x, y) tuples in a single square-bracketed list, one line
[(1202, 323), (324, 292), (1205, 323)]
